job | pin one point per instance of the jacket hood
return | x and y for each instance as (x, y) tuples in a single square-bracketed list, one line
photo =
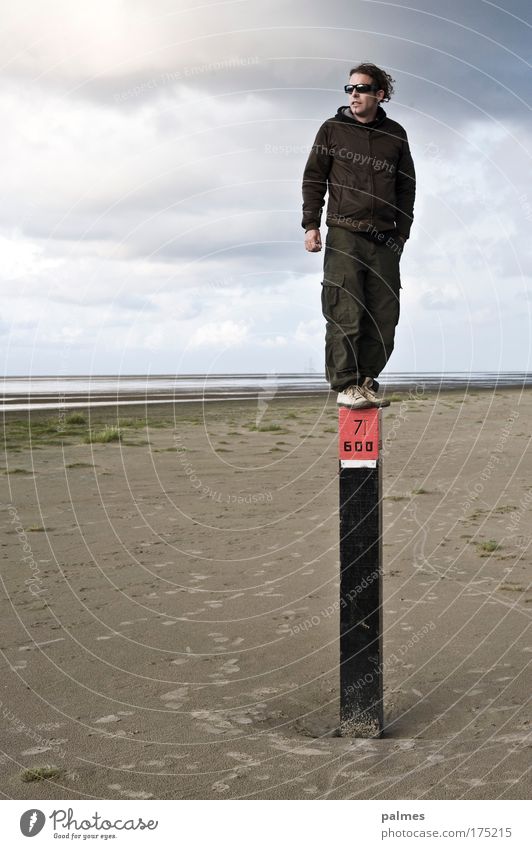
[(343, 113)]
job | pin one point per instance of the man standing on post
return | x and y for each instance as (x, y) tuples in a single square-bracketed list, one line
[(363, 159)]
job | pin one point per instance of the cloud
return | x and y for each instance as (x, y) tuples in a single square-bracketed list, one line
[(437, 299), (228, 334), (309, 331), (276, 341), (21, 257)]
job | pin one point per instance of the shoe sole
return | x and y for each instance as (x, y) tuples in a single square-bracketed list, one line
[(365, 405)]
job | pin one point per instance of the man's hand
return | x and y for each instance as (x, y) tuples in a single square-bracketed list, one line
[(313, 241)]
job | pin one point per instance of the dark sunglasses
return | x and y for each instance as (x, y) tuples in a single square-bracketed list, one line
[(362, 88)]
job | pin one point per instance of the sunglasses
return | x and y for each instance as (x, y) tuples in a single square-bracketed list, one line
[(362, 88)]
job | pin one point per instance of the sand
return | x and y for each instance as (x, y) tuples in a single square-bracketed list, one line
[(169, 621)]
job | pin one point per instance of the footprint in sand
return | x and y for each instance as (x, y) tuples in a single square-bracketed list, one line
[(175, 698), (219, 787), (38, 750), (130, 794), (243, 758), (228, 668), (112, 717)]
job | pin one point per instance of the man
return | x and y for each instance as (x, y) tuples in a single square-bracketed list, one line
[(363, 159)]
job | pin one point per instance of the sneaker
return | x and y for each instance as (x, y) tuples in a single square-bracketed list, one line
[(353, 396), (368, 392)]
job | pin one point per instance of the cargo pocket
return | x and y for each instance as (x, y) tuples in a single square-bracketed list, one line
[(333, 296)]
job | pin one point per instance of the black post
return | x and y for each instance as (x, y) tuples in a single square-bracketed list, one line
[(361, 703)]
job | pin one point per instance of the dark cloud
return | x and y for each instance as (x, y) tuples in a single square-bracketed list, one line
[(458, 58)]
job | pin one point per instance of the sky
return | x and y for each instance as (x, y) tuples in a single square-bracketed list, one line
[(153, 154)]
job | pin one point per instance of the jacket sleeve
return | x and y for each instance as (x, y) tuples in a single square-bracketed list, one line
[(405, 189), (315, 180)]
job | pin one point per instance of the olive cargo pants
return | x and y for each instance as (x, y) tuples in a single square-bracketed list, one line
[(360, 301)]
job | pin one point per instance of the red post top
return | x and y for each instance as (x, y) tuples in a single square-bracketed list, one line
[(359, 436)]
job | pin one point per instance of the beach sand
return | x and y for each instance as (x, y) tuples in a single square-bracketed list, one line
[(169, 620)]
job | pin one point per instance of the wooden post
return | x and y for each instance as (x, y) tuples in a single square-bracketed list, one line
[(360, 473)]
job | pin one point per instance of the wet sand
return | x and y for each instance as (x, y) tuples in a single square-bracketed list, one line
[(169, 620)]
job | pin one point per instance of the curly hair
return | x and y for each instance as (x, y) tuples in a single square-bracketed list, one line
[(379, 77)]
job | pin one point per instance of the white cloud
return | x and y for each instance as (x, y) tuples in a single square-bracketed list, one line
[(309, 331), (20, 258), (228, 334), (60, 39), (274, 342)]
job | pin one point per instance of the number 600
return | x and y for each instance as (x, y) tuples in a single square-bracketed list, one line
[(358, 445)]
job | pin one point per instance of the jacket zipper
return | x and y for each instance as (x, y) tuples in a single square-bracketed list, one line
[(372, 183)]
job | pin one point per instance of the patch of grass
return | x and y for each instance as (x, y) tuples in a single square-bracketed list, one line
[(265, 428), (330, 429), (40, 773), (79, 466), (17, 472), (419, 490), (136, 442), (395, 397), (76, 419), (74, 428), (396, 497), (291, 416), (476, 514), (46, 425), (37, 529), (133, 423), (20, 434), (508, 587), (110, 433), (488, 546)]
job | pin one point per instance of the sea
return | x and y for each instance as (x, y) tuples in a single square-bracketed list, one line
[(52, 392)]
